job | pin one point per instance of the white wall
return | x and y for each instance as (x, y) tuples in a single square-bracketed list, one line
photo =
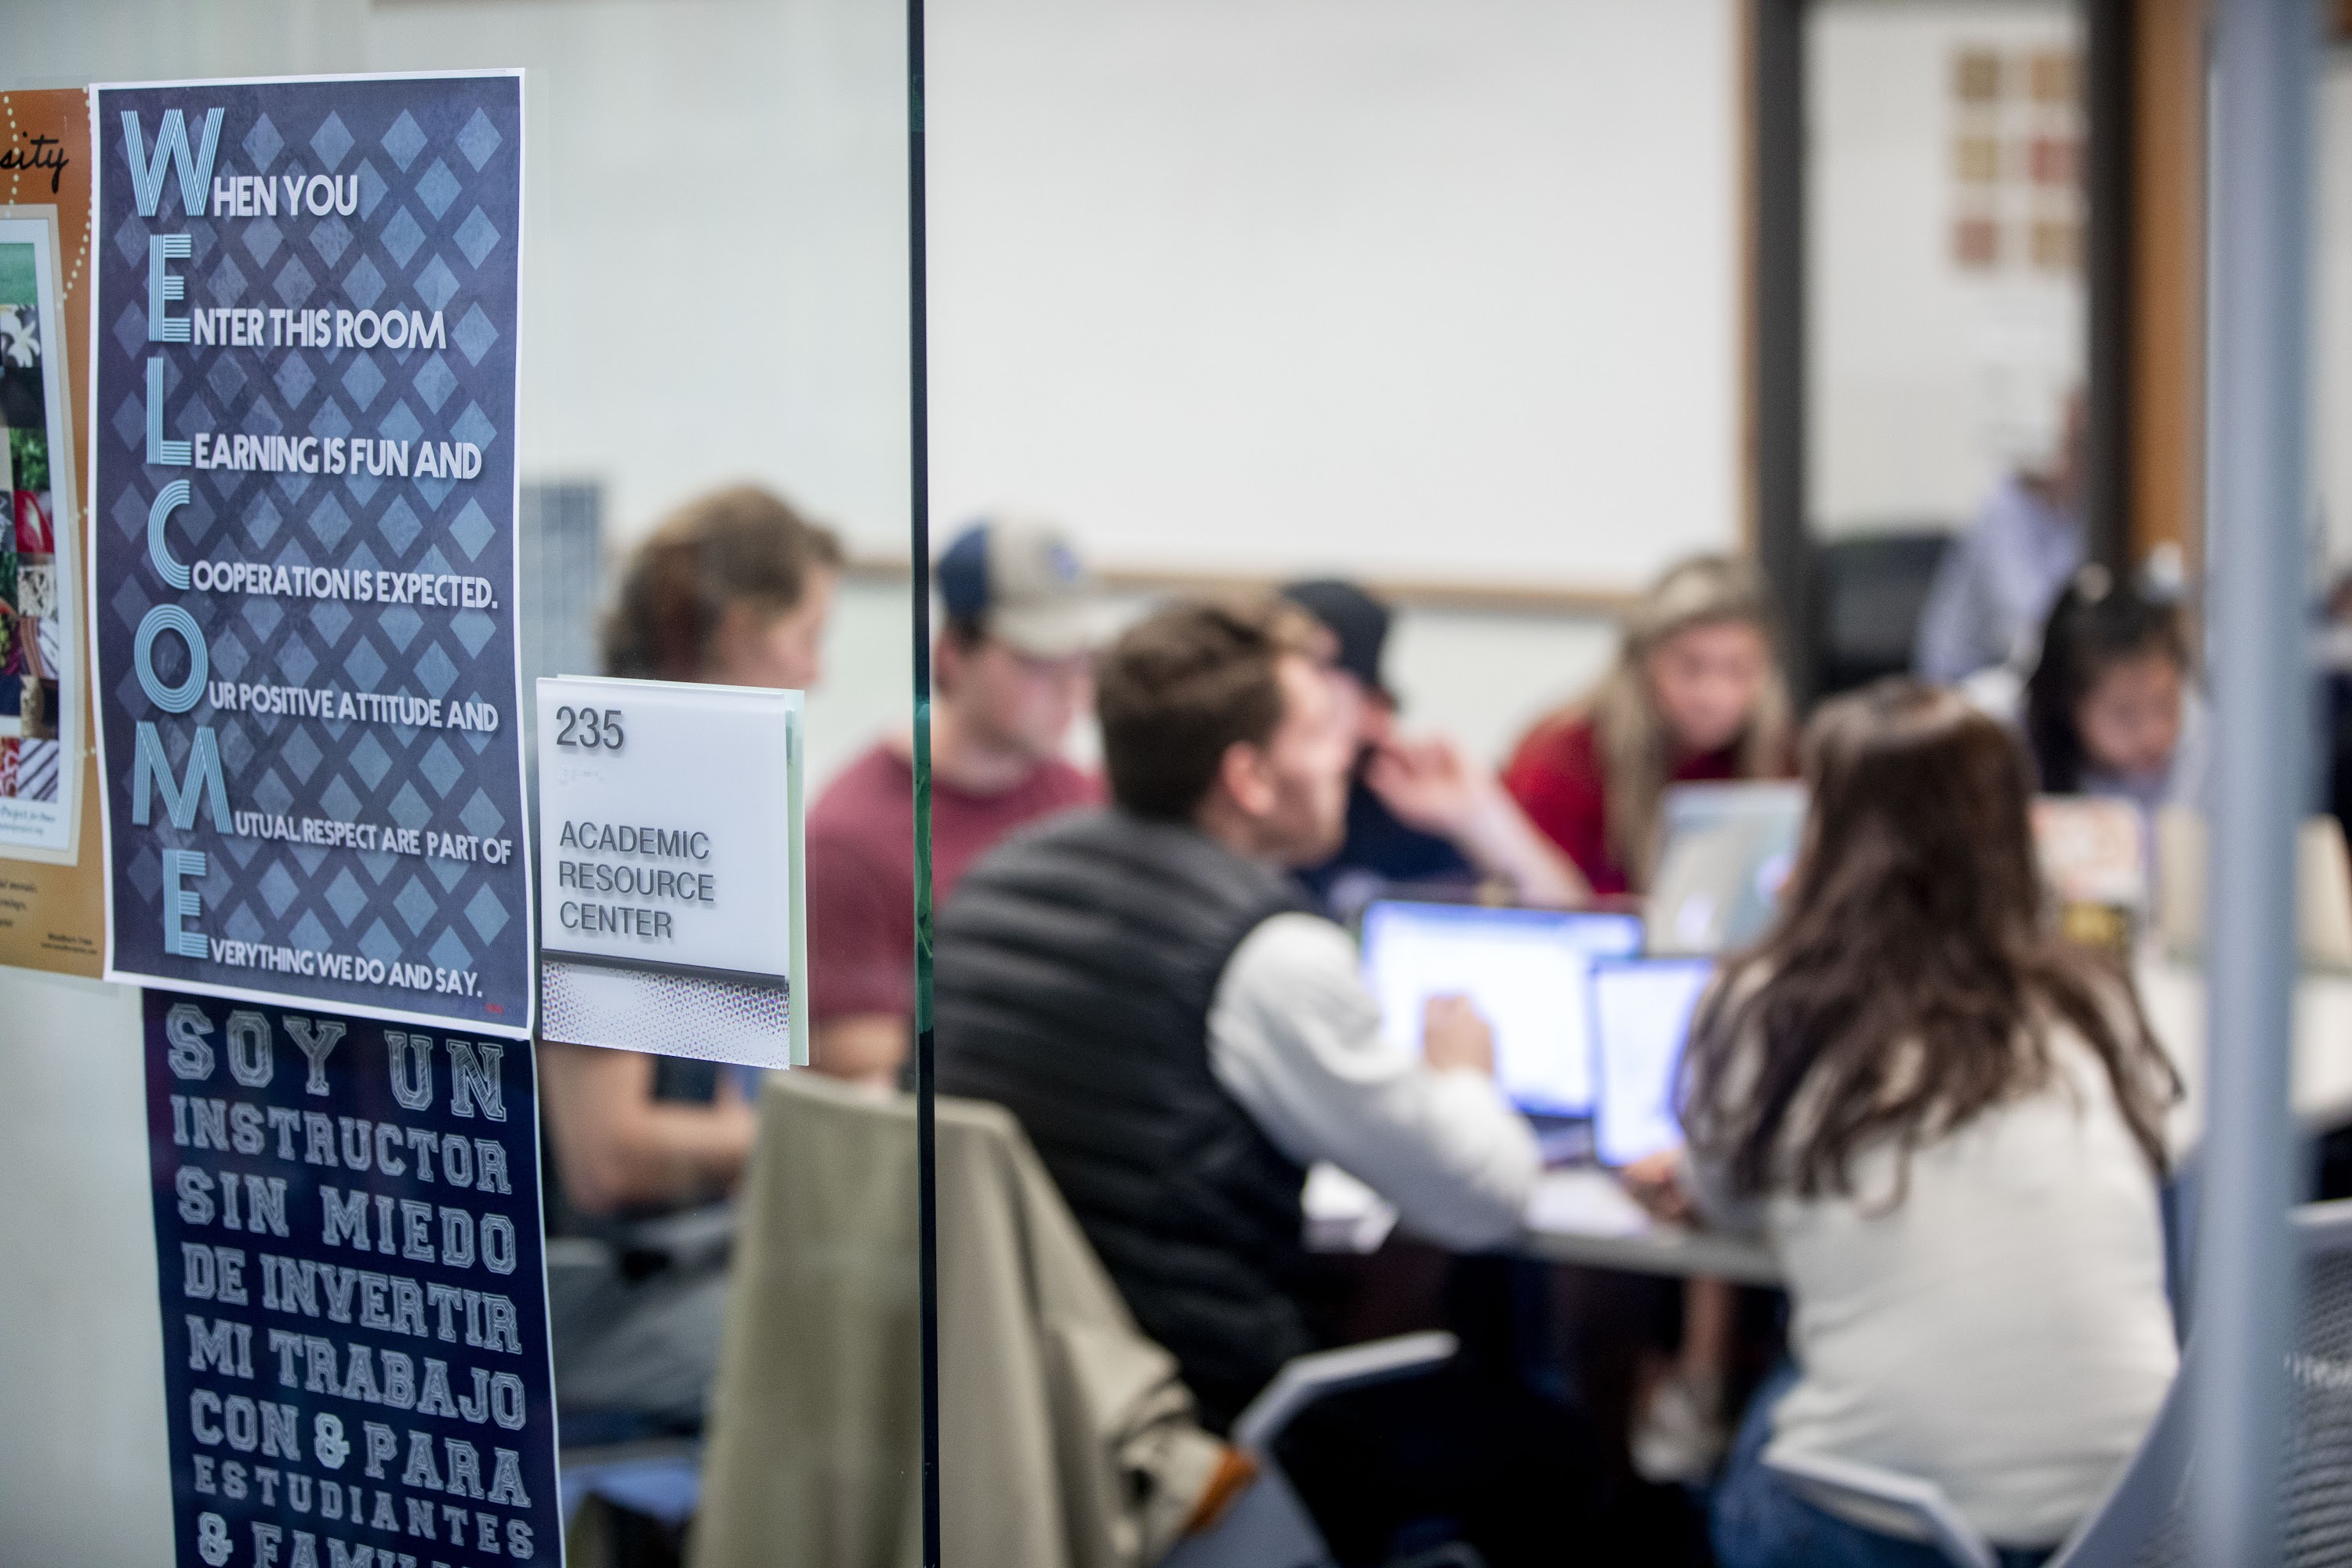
[(1444, 287), (84, 1471), (1922, 373), (1431, 287)]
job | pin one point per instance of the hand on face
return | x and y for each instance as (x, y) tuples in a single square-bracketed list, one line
[(1430, 785)]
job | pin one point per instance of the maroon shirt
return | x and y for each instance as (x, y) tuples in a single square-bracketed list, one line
[(861, 871)]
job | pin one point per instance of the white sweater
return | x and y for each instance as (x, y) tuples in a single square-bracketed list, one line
[(1999, 1326)]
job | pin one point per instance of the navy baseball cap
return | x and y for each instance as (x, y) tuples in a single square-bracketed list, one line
[(1359, 623), (1021, 582)]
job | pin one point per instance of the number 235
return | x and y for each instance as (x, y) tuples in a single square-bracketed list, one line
[(589, 727)]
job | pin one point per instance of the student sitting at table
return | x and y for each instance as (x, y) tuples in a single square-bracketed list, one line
[(1947, 1124), (1694, 695), (1145, 989), (1010, 676), (733, 589), (1419, 811), (2110, 709)]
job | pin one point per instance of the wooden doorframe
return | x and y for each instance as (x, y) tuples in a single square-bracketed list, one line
[(2166, 447), (2144, 76)]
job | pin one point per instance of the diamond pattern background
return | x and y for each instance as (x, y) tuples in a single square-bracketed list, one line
[(436, 164)]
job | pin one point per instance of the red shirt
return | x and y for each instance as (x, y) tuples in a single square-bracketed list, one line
[(861, 871), (1557, 777)]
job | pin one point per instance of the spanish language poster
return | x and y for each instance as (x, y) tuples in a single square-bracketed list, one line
[(303, 589), (354, 1309)]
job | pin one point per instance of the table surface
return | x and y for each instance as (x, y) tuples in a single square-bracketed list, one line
[(1583, 1216), (2321, 1087)]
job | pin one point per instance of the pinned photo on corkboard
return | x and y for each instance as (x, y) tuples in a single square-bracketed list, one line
[(41, 705)]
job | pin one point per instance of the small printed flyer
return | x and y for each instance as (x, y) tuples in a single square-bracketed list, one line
[(40, 697), (356, 1359), (52, 898), (303, 585)]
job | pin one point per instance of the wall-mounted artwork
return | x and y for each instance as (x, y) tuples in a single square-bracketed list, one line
[(2017, 150)]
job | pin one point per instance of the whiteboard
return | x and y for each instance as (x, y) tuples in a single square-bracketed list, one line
[(1430, 288)]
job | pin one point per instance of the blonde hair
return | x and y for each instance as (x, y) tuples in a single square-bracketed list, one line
[(1636, 753)]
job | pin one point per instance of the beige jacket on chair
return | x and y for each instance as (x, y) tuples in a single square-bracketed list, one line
[(1066, 1440)]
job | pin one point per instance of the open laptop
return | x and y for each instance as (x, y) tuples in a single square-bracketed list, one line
[(2092, 849), (2094, 853), (1641, 1011), (1725, 850), (1526, 971)]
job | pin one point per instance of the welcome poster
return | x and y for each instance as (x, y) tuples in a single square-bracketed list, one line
[(303, 494)]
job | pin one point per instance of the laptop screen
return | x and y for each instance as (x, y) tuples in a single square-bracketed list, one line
[(1525, 971), (1729, 848), (1641, 1015)]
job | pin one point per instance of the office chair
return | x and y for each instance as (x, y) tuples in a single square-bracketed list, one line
[(2143, 1519), (1867, 595), (1267, 1526)]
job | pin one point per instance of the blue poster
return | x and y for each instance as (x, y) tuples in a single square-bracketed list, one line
[(304, 510), (355, 1344)]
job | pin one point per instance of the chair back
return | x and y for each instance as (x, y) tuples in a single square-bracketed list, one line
[(2145, 1521), (1066, 1439), (1868, 594), (814, 1434)]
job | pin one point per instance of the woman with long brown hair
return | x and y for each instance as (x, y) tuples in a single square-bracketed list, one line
[(1948, 1122)]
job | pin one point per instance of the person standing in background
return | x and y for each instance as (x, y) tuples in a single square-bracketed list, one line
[(1011, 673), (1418, 812), (734, 589), (1997, 581), (1694, 696)]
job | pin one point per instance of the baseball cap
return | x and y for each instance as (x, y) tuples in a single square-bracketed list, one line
[(1358, 622), (1021, 582)]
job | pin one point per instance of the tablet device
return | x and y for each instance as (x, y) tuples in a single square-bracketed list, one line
[(1525, 971), (1641, 1017)]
